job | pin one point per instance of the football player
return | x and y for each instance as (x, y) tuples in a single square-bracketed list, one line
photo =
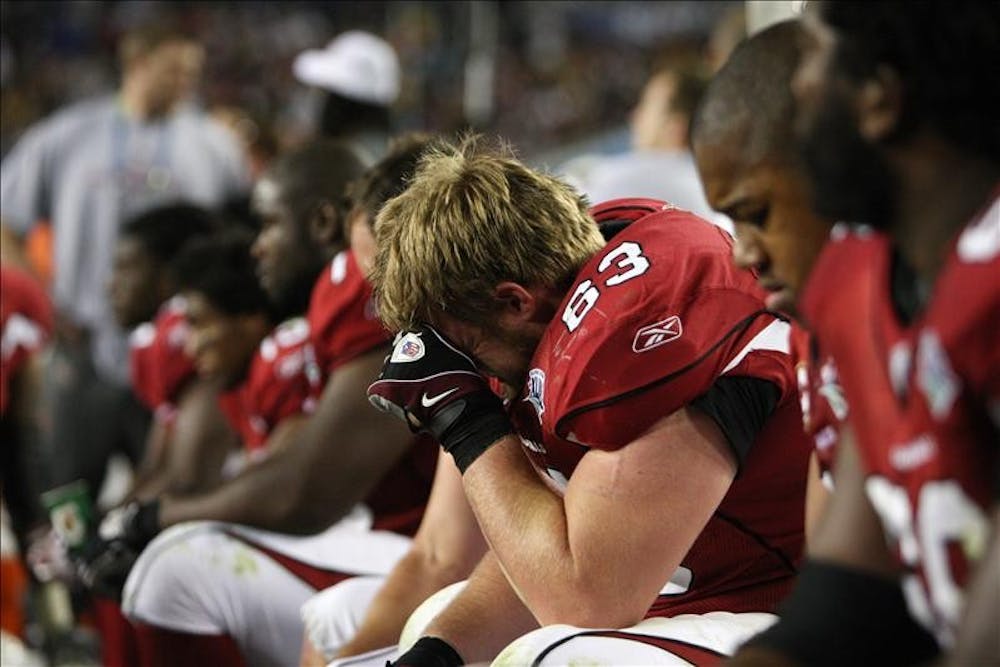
[(743, 145), (304, 525), (898, 134), (652, 465), (188, 439)]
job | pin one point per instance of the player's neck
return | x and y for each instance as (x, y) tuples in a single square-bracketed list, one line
[(939, 190)]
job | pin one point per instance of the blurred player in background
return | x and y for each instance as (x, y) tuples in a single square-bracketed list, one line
[(189, 438), (898, 134), (86, 169)]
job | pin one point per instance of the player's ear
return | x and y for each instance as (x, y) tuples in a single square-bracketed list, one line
[(325, 224), (880, 105), (514, 301)]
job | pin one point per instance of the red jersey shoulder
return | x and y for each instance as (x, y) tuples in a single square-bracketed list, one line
[(160, 367), (26, 321), (969, 324), (342, 314), (282, 380), (844, 272), (651, 321)]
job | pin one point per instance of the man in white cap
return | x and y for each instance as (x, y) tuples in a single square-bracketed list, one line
[(360, 74)]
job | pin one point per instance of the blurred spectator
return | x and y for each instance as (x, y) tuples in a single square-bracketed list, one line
[(86, 168), (660, 164), (359, 74), (728, 32)]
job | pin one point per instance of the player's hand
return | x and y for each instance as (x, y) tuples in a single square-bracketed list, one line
[(134, 524), (434, 387), (104, 565)]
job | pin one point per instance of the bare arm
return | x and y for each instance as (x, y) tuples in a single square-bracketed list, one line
[(599, 556), (339, 454), (191, 453), (817, 497), (445, 549), (485, 617), (978, 642)]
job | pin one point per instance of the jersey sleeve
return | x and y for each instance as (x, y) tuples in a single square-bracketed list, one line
[(654, 342), (282, 381), (160, 367), (342, 315), (26, 319)]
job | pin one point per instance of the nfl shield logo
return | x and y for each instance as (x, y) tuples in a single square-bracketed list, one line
[(408, 348)]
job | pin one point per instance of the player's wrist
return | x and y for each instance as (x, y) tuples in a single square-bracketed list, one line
[(430, 652), (470, 426)]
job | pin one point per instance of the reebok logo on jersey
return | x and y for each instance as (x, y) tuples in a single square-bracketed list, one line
[(657, 334), (431, 401), (408, 348)]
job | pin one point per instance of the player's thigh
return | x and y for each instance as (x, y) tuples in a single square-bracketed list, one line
[(690, 639), (333, 616), (197, 578)]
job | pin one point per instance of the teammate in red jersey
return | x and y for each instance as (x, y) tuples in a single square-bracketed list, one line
[(743, 144), (336, 495), (188, 438), (26, 322), (365, 614), (898, 134), (650, 375)]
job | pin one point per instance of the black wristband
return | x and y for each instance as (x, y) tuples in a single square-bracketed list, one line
[(429, 652), (837, 616), (482, 423), (144, 526)]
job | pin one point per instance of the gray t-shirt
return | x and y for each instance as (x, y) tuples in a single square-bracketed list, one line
[(88, 168)]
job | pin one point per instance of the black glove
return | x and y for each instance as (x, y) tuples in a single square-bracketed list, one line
[(103, 566), (135, 524), (429, 652), (434, 387), (106, 559)]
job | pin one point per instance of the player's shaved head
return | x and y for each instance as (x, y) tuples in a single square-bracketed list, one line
[(753, 86)]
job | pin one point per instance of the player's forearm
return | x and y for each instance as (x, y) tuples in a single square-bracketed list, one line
[(485, 617), (415, 578), (267, 495), (977, 643), (525, 523)]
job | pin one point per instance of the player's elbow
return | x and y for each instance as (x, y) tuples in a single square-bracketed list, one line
[(590, 610)]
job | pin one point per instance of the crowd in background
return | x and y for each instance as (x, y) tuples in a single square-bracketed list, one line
[(560, 72)]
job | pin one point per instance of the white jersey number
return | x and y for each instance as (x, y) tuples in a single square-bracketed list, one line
[(946, 516), (627, 257)]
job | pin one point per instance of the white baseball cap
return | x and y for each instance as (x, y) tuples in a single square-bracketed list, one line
[(356, 64)]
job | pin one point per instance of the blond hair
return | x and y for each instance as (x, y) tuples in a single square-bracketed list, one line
[(471, 218)]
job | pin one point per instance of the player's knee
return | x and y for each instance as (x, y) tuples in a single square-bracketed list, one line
[(165, 586), (425, 613), (332, 616), (529, 648)]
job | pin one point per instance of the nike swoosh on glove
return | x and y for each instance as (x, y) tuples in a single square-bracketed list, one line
[(435, 387)]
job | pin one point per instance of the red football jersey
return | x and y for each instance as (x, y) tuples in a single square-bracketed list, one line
[(344, 324), (821, 398), (281, 382), (25, 321), (923, 400), (159, 365), (651, 322), (342, 314)]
